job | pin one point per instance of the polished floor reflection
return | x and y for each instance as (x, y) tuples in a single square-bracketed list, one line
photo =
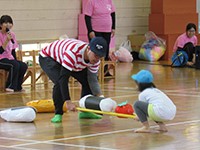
[(110, 133)]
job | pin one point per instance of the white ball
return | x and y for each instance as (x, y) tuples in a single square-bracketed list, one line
[(107, 104)]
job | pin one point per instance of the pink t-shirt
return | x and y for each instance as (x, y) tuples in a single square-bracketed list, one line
[(182, 40), (100, 13), (10, 46)]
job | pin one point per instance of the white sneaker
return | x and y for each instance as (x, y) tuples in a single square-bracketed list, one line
[(9, 90)]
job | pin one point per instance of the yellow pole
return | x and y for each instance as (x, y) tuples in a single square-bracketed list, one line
[(106, 113)]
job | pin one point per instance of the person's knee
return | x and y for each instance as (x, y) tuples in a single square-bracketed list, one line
[(136, 104), (16, 66), (24, 66), (190, 44)]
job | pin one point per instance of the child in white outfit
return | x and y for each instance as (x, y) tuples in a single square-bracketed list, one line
[(152, 103)]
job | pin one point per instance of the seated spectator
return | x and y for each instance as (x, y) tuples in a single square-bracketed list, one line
[(8, 60), (187, 42)]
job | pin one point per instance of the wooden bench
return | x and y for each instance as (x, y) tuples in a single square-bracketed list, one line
[(111, 69), (34, 70), (3, 79)]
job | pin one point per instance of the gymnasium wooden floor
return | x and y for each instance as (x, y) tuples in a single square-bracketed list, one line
[(110, 133)]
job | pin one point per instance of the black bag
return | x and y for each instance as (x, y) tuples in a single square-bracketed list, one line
[(135, 55), (197, 57)]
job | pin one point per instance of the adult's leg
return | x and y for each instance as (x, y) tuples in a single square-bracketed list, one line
[(13, 67), (190, 50), (6, 67), (22, 70), (107, 37), (52, 69), (81, 76)]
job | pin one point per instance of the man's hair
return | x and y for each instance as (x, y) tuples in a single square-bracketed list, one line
[(190, 26)]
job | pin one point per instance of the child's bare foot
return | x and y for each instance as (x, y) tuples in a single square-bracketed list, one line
[(136, 117), (143, 130), (163, 130), (162, 127)]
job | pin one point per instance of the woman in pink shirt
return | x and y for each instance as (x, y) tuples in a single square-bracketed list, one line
[(8, 60), (100, 21), (187, 42)]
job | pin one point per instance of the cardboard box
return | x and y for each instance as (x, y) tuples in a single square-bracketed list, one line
[(136, 41)]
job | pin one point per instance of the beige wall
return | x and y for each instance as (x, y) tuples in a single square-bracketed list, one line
[(132, 18), (41, 20)]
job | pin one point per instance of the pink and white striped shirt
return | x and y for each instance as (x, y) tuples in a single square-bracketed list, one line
[(70, 54)]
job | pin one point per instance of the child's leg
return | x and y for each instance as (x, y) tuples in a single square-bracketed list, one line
[(162, 127), (141, 109), (144, 129)]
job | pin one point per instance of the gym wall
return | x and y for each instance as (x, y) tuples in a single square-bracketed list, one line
[(38, 21)]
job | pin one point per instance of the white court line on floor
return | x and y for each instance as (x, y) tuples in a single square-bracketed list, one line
[(82, 146), (136, 94), (53, 143), (94, 135), (185, 95), (101, 134), (20, 148), (17, 139), (120, 131)]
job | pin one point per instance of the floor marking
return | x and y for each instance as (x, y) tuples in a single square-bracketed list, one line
[(90, 135), (120, 131), (17, 139), (83, 146), (20, 148), (54, 143), (185, 95)]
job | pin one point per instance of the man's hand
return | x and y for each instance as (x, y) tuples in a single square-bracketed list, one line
[(112, 33), (91, 34), (113, 56), (70, 106)]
